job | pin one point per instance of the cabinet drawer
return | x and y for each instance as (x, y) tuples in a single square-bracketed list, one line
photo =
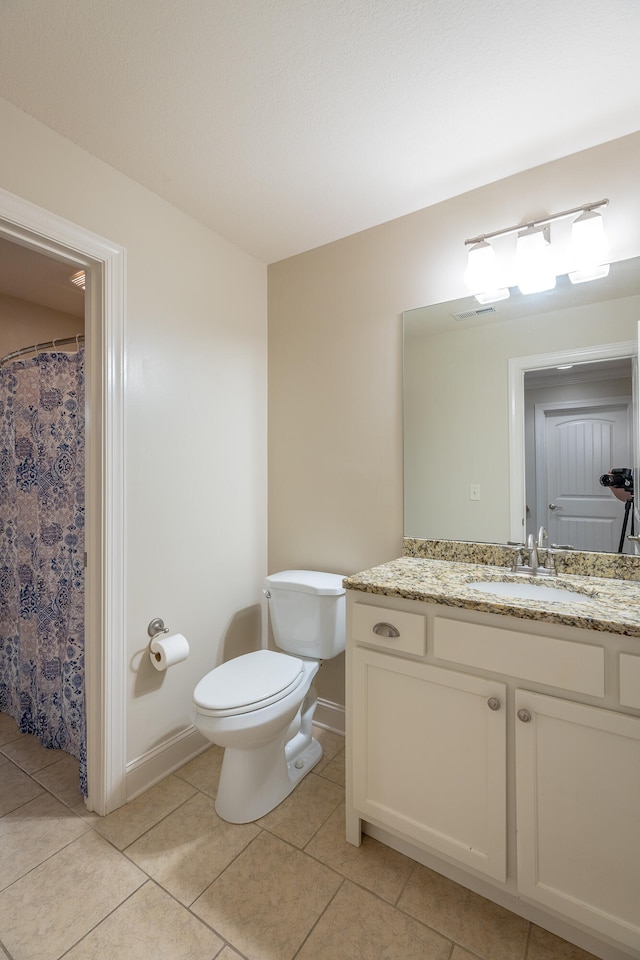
[(369, 624), (558, 663), (629, 680)]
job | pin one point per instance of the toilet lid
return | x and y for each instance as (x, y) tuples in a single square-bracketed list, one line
[(250, 680)]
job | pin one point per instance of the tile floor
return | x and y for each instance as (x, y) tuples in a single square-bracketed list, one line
[(165, 878)]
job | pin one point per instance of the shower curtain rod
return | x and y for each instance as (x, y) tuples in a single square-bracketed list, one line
[(58, 342)]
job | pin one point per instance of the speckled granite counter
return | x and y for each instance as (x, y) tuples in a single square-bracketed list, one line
[(611, 605)]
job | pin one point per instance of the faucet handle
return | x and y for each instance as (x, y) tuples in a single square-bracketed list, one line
[(518, 550)]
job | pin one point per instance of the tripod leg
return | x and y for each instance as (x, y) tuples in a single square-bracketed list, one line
[(627, 507)]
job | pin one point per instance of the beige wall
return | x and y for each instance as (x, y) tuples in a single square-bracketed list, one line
[(335, 390), (195, 400), (23, 324)]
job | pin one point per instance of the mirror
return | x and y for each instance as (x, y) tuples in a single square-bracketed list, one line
[(469, 463)]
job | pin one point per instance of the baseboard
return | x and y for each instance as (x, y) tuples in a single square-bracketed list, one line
[(330, 716), (162, 760)]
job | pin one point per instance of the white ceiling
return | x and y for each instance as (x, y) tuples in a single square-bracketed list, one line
[(286, 124), (29, 275)]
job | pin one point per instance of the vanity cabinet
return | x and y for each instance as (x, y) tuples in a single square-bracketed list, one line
[(500, 749), (578, 812), (429, 756)]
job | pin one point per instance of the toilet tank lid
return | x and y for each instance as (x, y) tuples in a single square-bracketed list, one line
[(306, 581)]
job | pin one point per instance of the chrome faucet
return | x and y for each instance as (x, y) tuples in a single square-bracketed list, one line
[(532, 547)]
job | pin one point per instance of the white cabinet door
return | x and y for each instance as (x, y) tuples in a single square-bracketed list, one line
[(429, 757), (578, 812)]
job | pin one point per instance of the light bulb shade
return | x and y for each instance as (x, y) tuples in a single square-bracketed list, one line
[(482, 268), (533, 263), (492, 296), (589, 273), (588, 247)]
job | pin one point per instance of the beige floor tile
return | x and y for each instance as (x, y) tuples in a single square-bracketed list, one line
[(304, 811), (203, 771), (373, 865), (268, 900), (190, 848), (479, 925), (331, 743), (149, 924), (62, 780), (32, 833), (546, 946), (228, 954), (29, 754), (16, 787), (334, 769), (459, 953), (8, 729), (126, 824), (359, 926), (49, 910)]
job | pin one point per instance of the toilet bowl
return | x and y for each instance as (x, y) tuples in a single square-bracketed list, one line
[(260, 706)]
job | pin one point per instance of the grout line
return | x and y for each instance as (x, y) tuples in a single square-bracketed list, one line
[(319, 918)]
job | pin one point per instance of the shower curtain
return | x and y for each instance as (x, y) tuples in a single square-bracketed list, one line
[(42, 549)]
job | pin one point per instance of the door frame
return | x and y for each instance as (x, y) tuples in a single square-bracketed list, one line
[(541, 409), (104, 263), (518, 366)]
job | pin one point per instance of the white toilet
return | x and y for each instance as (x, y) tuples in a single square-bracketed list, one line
[(260, 706)]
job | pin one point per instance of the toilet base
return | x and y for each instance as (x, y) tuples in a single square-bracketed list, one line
[(306, 760), (253, 782)]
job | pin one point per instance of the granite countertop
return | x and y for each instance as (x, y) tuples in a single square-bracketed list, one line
[(611, 605)]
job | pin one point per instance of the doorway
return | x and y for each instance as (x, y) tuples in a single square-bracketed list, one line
[(30, 226), (612, 362), (577, 443)]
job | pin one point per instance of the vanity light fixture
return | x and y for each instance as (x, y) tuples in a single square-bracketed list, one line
[(534, 269), (533, 265), (588, 248), (482, 274)]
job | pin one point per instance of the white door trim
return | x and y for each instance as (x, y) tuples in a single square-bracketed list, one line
[(518, 366), (104, 263)]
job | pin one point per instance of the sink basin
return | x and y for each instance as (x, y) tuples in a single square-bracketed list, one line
[(529, 591)]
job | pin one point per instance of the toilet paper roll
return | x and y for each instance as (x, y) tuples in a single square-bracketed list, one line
[(164, 651)]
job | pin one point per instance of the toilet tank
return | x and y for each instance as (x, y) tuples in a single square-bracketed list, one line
[(307, 610)]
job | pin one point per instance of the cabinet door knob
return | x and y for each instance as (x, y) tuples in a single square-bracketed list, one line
[(494, 703), (524, 715), (386, 630)]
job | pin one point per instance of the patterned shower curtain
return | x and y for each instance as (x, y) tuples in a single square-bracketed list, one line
[(42, 549)]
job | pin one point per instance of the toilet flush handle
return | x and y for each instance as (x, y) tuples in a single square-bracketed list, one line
[(267, 594)]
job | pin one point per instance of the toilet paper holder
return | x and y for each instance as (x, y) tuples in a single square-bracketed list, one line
[(156, 628)]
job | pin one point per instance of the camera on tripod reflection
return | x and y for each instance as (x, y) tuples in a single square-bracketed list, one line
[(620, 478)]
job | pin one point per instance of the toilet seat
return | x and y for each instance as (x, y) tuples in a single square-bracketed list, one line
[(248, 683)]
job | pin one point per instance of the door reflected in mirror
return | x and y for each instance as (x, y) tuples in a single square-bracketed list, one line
[(497, 440), (578, 425)]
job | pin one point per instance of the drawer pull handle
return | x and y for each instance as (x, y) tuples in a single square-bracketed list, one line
[(524, 715), (386, 630), (493, 703)]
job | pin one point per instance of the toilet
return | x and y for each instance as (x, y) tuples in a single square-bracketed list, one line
[(260, 706)]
